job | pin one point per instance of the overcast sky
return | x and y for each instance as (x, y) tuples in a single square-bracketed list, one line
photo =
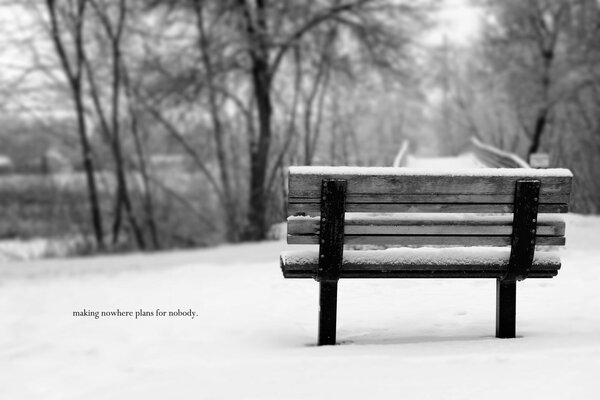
[(459, 21)]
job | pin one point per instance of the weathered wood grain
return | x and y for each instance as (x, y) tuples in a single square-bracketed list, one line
[(427, 240), (428, 198), (308, 184), (405, 224), (365, 272), (313, 209)]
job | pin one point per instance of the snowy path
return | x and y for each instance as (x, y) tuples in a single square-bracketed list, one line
[(466, 160), (254, 333)]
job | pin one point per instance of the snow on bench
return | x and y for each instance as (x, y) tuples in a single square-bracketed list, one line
[(489, 262)]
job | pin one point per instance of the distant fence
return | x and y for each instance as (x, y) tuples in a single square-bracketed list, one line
[(496, 158)]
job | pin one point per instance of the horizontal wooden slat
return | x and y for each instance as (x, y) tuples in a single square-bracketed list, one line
[(433, 198), (360, 274), (425, 224), (313, 209), (428, 240), (418, 263), (304, 182)]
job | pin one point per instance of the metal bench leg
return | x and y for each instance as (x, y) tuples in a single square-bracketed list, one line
[(506, 308), (327, 312), (331, 252), (527, 193)]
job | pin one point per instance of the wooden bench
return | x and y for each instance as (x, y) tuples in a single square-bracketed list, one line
[(458, 214)]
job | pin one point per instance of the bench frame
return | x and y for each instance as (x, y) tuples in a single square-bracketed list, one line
[(331, 249)]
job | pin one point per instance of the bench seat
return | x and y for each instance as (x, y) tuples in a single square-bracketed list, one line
[(480, 262)]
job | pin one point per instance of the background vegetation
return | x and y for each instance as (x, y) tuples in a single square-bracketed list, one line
[(165, 124)]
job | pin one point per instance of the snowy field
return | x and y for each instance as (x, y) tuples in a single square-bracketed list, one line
[(253, 333)]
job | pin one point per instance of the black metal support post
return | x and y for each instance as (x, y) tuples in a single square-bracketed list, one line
[(521, 255), (506, 308), (327, 311), (524, 229), (331, 250)]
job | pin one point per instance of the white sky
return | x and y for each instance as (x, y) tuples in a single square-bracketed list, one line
[(459, 21)]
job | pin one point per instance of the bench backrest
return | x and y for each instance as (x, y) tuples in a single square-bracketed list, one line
[(403, 206)]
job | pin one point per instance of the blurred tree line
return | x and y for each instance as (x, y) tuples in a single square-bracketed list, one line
[(237, 90), (182, 116), (530, 84)]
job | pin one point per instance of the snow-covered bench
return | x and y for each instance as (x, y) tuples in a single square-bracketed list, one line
[(459, 214)]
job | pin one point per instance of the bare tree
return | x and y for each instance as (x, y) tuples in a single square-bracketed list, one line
[(67, 18), (267, 48), (525, 41), (111, 126), (546, 52)]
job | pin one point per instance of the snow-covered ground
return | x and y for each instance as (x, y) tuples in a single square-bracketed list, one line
[(254, 333)]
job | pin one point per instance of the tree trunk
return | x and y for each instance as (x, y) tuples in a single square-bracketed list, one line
[(232, 228), (88, 165), (256, 228), (114, 33), (540, 125), (148, 200), (73, 73), (257, 206)]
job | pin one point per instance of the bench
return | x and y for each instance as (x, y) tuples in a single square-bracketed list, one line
[(483, 223)]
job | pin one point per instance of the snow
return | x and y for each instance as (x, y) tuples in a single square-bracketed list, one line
[(254, 333), (23, 250), (431, 168), (467, 160), (15, 249), (422, 256)]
